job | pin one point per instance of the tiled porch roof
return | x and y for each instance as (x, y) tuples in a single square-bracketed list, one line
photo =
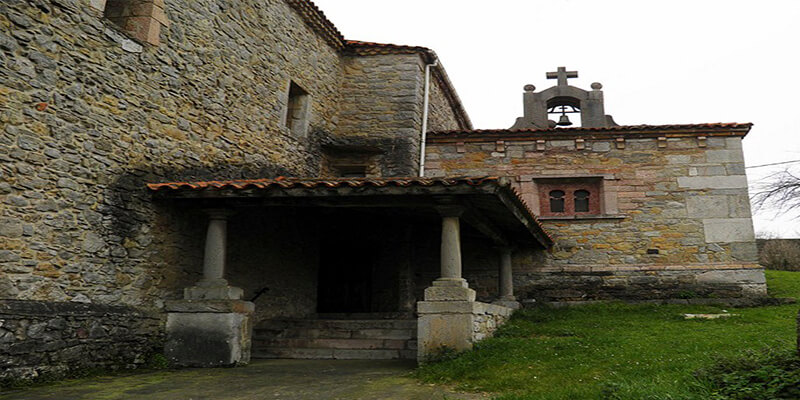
[(308, 183), (476, 190)]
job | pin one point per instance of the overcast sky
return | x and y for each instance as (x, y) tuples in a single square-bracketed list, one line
[(667, 62)]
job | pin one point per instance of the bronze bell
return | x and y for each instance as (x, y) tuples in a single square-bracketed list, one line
[(564, 120)]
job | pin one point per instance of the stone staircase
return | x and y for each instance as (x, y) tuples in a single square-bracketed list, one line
[(329, 337)]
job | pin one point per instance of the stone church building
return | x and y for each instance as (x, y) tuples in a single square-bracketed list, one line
[(227, 179)]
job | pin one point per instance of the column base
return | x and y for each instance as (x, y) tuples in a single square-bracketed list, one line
[(449, 289), (217, 289), (208, 333)]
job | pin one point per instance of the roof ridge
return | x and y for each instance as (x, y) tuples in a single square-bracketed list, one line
[(714, 125), (318, 22)]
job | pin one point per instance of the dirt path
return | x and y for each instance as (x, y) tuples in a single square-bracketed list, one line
[(263, 379)]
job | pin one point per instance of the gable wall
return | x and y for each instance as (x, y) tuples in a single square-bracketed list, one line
[(382, 107), (441, 116), (688, 202)]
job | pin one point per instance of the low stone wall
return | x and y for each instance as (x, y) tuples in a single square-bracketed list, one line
[(455, 325), (40, 339), (487, 318), (570, 284)]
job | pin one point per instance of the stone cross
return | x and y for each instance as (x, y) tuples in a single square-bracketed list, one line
[(562, 74)]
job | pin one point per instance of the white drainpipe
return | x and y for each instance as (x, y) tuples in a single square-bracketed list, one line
[(425, 117)]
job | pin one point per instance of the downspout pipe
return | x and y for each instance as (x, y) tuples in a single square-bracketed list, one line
[(425, 106)]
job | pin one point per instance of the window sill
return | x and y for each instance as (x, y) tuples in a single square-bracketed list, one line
[(581, 217)]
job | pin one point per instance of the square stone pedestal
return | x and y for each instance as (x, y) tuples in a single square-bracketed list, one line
[(450, 318), (208, 333)]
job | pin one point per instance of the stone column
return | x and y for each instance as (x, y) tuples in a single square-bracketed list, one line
[(216, 246), (446, 316), (211, 327), (213, 284), (451, 249), (452, 285), (506, 280)]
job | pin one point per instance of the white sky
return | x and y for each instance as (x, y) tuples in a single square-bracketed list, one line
[(665, 62)]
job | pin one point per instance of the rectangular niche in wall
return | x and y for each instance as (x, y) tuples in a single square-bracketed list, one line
[(141, 19), (297, 110), (351, 162)]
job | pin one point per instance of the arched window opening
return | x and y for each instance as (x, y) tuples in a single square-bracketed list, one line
[(581, 200), (557, 201)]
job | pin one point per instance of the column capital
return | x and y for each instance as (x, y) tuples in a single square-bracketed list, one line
[(450, 210), (218, 213), (505, 249)]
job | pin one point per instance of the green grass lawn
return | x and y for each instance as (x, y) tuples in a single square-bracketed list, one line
[(617, 351)]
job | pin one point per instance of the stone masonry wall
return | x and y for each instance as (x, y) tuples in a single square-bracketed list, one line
[(53, 338), (440, 113), (85, 123), (382, 107), (689, 203), (87, 116), (487, 319)]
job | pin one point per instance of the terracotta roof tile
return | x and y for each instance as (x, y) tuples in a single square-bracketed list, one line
[(360, 48), (719, 126), (322, 183), (282, 182)]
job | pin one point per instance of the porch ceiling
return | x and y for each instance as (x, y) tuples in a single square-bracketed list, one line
[(491, 205)]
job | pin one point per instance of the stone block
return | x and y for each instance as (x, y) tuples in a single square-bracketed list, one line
[(209, 306), (724, 156), (678, 159), (601, 146), (733, 143), (744, 252), (754, 290), (444, 293), (446, 307), (739, 206), (712, 182), (360, 354), (208, 339), (438, 331), (728, 230), (707, 206), (212, 293), (512, 304), (743, 276)]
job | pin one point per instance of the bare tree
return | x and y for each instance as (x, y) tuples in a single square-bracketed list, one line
[(781, 190)]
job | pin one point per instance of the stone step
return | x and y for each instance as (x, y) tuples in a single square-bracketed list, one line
[(365, 344), (339, 324), (314, 333), (336, 339), (367, 316), (333, 354)]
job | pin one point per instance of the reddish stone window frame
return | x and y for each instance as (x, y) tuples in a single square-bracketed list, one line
[(141, 19), (570, 188)]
